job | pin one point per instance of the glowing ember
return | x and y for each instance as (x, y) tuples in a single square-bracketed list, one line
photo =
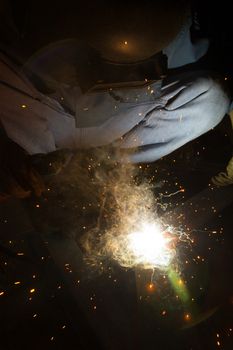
[(151, 246), (151, 287), (187, 317)]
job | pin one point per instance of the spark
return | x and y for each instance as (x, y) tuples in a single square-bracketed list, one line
[(151, 287), (187, 317), (174, 193)]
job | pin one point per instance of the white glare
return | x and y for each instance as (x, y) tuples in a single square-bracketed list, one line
[(150, 246)]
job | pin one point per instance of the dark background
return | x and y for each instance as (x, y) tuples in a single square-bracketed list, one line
[(77, 307)]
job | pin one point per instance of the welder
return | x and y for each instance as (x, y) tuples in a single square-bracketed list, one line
[(122, 94)]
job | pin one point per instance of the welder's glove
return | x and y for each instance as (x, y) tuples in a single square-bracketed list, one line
[(224, 178), (51, 163), (18, 178)]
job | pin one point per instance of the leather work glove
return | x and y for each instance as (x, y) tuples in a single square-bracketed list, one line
[(18, 178), (225, 178), (51, 163)]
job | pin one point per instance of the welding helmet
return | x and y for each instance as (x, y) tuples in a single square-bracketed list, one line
[(129, 31), (115, 43)]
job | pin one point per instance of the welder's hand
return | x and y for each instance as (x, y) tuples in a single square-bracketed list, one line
[(224, 178), (18, 178), (52, 163)]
